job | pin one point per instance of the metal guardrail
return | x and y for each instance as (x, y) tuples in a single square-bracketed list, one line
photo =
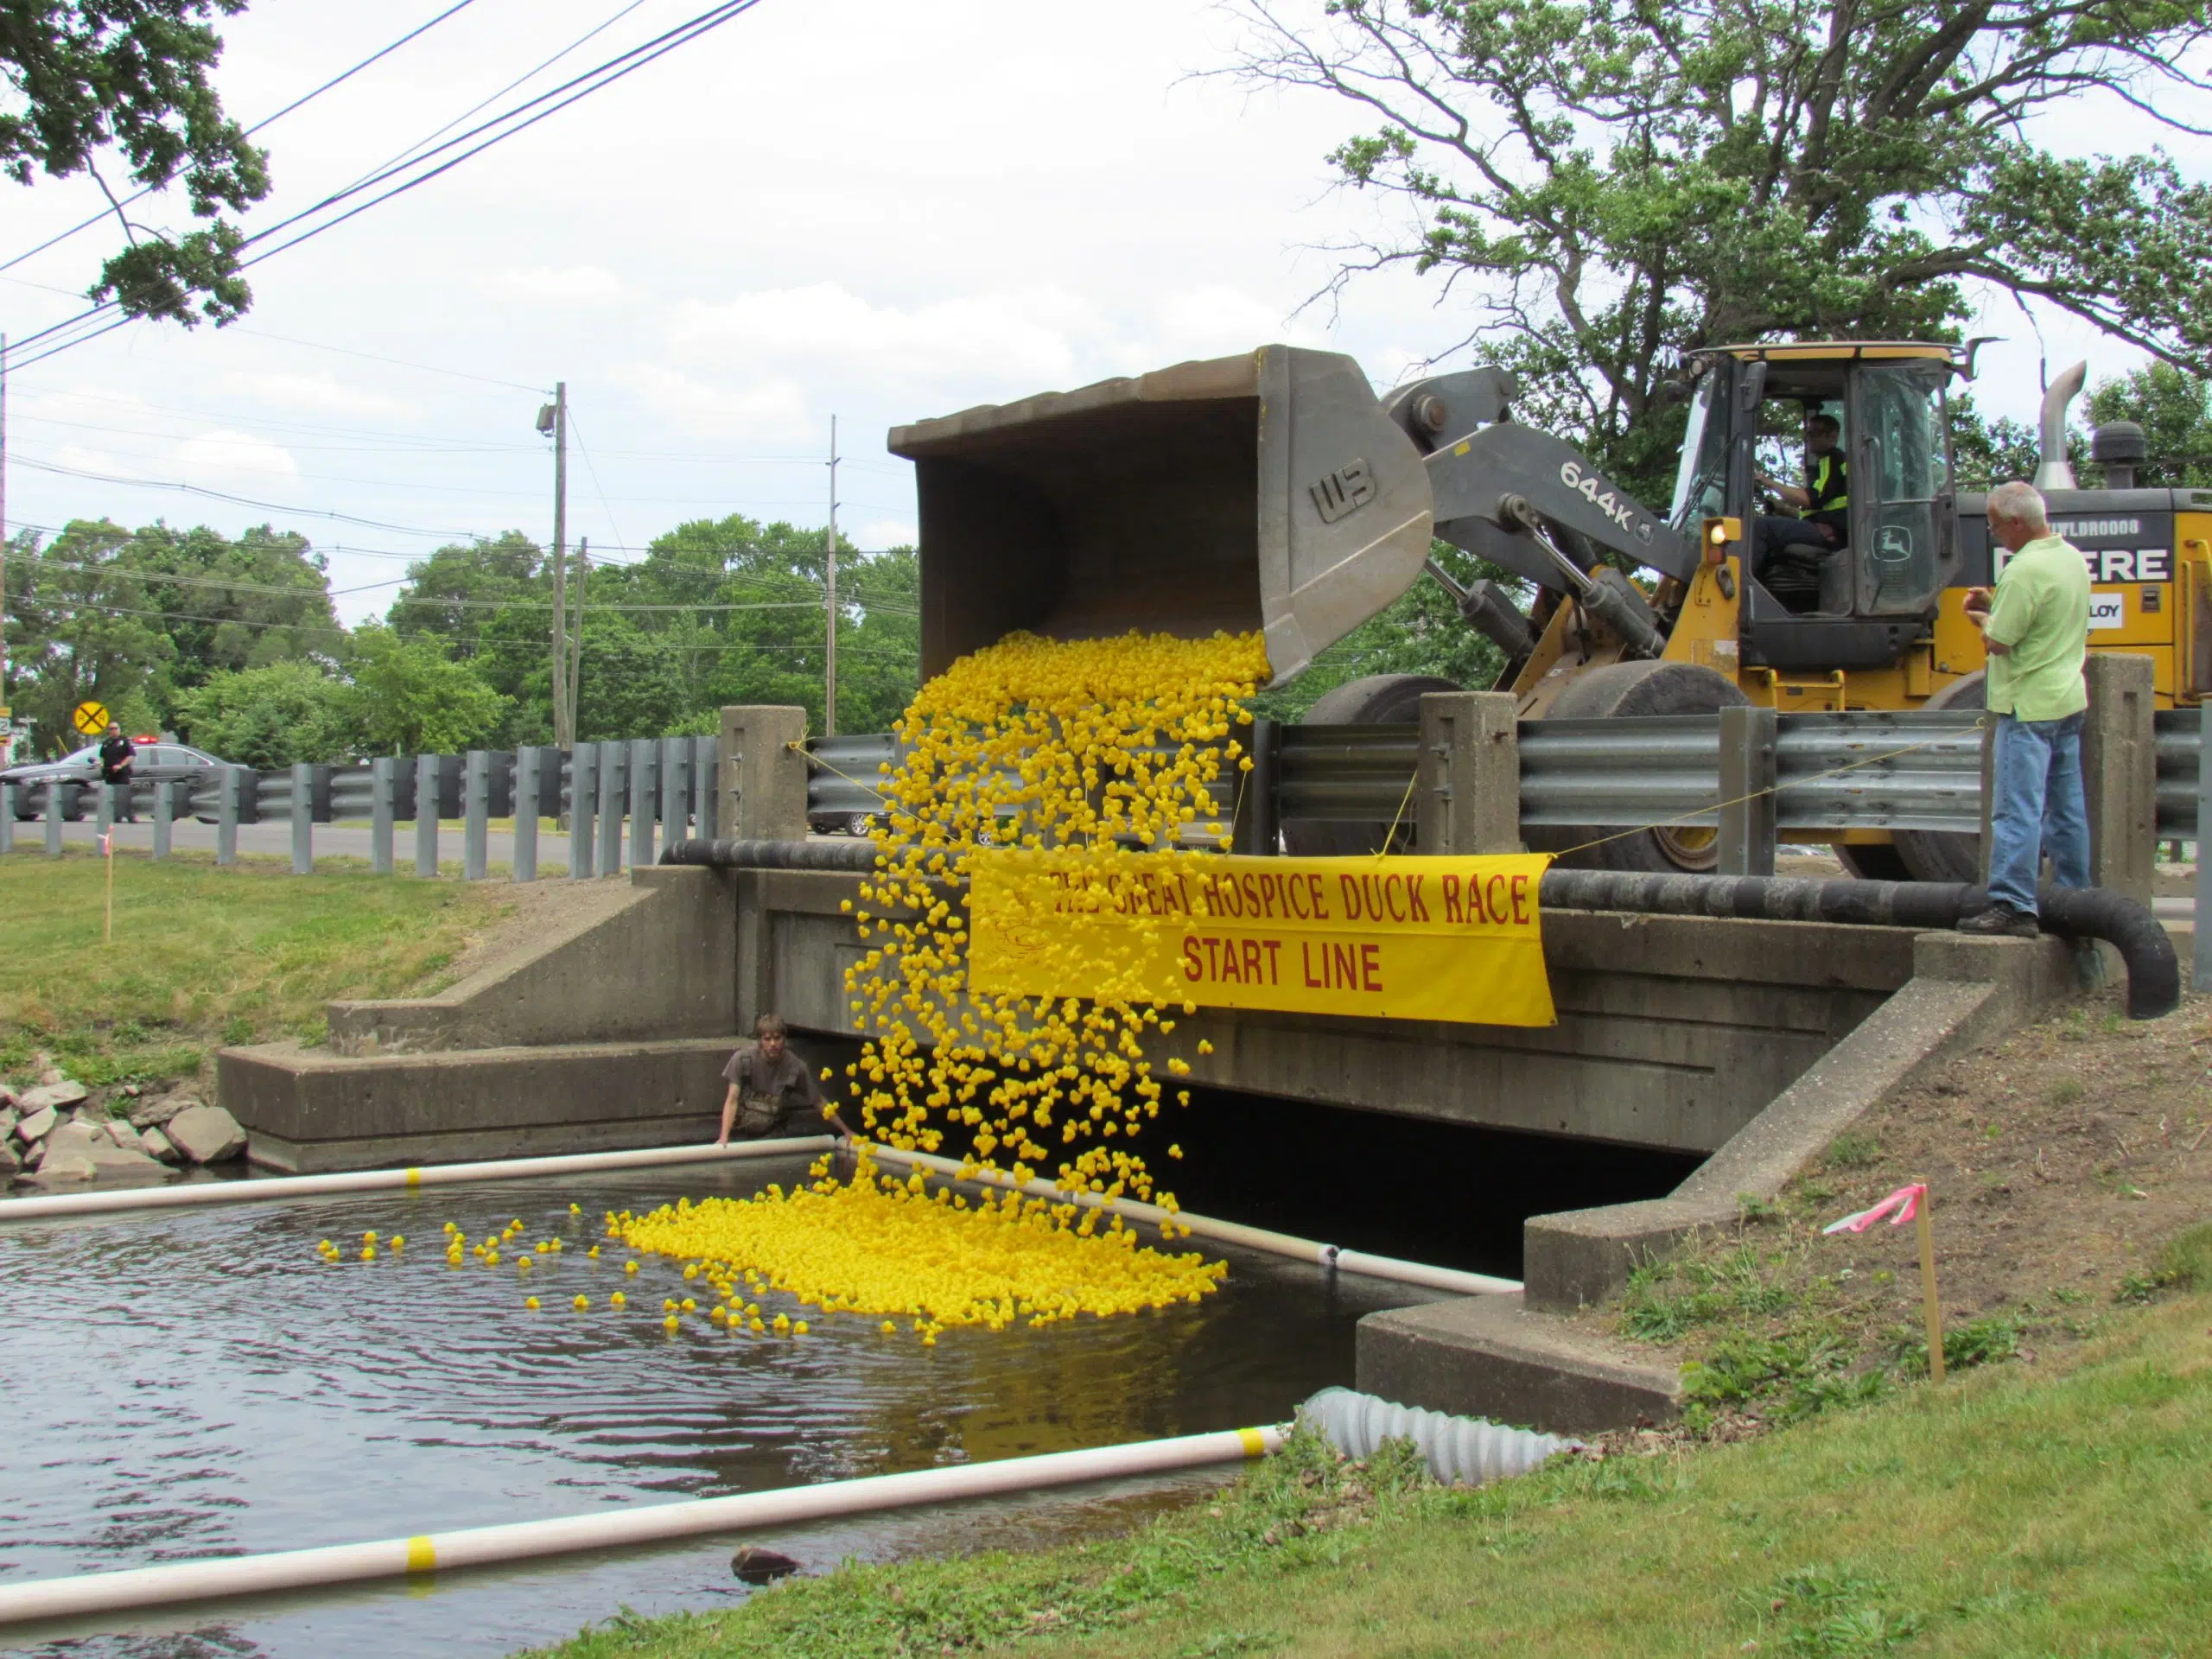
[(2178, 733), (1877, 770), (612, 793)]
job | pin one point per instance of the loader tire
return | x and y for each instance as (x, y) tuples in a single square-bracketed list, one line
[(1619, 691), (1929, 855), (1376, 699)]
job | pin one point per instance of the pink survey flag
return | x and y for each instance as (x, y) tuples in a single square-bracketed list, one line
[(1900, 1207), (107, 844)]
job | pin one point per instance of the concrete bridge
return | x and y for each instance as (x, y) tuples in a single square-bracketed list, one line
[(1751, 1042)]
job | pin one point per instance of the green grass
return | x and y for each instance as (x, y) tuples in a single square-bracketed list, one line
[(203, 956), (2018, 1511)]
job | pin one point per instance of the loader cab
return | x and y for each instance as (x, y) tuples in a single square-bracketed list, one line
[(1869, 600)]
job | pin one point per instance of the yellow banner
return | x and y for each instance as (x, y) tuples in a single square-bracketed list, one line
[(1393, 938)]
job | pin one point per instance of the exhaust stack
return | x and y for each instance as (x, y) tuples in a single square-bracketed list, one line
[(2055, 472)]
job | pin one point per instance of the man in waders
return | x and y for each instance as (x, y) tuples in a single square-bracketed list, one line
[(771, 1089)]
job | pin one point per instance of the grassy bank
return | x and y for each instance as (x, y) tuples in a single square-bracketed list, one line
[(2057, 1508), (203, 956)]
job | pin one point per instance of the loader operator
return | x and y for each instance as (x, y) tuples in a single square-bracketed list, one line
[(1824, 500)]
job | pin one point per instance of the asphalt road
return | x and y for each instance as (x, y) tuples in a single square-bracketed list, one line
[(331, 841)]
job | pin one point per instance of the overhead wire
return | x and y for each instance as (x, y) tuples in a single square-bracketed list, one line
[(507, 124), (337, 79)]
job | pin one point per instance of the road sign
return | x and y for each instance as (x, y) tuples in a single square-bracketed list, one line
[(90, 717), (7, 726)]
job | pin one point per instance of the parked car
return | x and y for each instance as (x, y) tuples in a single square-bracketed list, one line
[(73, 774), (841, 823)]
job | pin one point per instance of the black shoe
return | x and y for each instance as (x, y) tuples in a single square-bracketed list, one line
[(2000, 921)]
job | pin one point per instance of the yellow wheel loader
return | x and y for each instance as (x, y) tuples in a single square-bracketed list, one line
[(1274, 490)]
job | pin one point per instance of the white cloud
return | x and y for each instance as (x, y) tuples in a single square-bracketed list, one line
[(318, 393), (758, 409), (547, 285), (873, 534), (231, 453), (1018, 337)]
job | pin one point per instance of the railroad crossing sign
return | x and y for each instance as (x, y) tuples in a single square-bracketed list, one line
[(90, 717)]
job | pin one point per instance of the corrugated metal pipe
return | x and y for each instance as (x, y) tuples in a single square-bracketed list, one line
[(2153, 974), (1469, 1450)]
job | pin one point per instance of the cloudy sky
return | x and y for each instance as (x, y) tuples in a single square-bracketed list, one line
[(865, 208)]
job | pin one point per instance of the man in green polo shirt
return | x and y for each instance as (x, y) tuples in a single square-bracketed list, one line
[(2036, 625)]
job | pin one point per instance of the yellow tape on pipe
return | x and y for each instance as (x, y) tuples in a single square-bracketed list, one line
[(1395, 938)]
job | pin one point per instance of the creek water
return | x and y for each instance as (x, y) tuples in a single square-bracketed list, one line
[(189, 1385)]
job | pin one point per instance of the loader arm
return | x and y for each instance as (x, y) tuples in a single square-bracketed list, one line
[(1485, 482)]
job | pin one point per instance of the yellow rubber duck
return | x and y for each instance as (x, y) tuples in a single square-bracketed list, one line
[(583, 1302), (530, 1301), (671, 1325), (368, 1252), (619, 1300)]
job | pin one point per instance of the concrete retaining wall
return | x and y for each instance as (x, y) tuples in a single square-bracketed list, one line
[(652, 959)]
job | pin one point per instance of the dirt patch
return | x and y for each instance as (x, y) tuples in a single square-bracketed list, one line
[(526, 914), (2060, 1159), (2062, 1162)]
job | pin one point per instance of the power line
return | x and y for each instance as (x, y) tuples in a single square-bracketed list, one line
[(338, 79), (243, 500), (506, 125)]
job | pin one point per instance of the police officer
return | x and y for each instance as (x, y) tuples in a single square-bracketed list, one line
[(115, 771)]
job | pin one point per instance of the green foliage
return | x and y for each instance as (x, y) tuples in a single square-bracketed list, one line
[(412, 698), (2187, 1259), (1614, 183), (2175, 410), (1838, 1614), (1421, 632), (268, 718), (1988, 453), (1852, 1149), (132, 76)]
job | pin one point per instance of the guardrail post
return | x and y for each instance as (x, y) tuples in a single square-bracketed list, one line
[(763, 785), (302, 819), (165, 816), (475, 814), (54, 820), (1748, 774), (2119, 773), (103, 807), (229, 802), (675, 789), (529, 767), (583, 790), (383, 808), (1257, 830), (643, 751), (610, 757), (7, 817), (426, 814), (1468, 800), (2199, 961), (703, 798)]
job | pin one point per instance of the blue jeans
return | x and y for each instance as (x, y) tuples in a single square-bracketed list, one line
[(2039, 809)]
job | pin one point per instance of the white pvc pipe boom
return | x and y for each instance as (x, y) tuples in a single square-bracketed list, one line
[(378, 1180), (98, 1593), (1228, 1232)]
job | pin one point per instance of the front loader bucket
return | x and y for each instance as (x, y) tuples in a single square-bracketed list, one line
[(1267, 491)]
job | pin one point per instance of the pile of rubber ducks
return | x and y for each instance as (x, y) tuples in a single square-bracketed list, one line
[(877, 1245)]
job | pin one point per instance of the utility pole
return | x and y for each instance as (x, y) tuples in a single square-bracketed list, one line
[(830, 657), (7, 743), (576, 642), (553, 421)]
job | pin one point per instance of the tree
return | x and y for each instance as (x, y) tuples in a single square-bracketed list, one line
[(272, 717), (412, 698), (233, 605), (1421, 632), (1620, 181), (132, 76), (1985, 454), (80, 625), (2175, 412)]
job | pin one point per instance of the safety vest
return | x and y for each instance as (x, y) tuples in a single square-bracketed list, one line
[(1824, 482)]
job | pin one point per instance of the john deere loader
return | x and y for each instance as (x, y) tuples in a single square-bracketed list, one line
[(1274, 490)]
